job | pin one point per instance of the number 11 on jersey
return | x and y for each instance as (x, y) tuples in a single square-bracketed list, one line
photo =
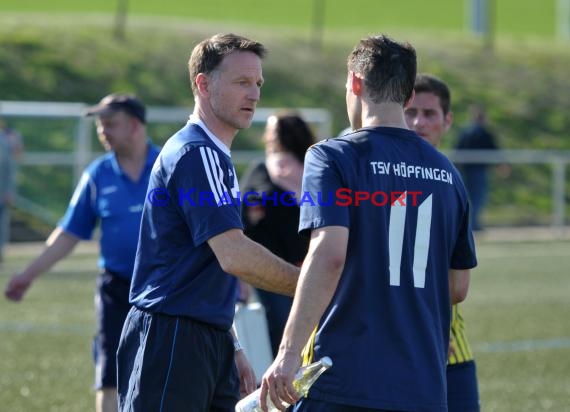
[(421, 241)]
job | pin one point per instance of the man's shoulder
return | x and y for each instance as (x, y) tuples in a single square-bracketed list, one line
[(189, 138), (475, 132), (189, 154), (341, 144), (103, 168), (100, 163), (327, 151)]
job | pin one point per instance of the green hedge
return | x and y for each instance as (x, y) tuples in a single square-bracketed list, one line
[(524, 84)]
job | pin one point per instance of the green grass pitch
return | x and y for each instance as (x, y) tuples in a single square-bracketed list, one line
[(514, 17), (516, 314)]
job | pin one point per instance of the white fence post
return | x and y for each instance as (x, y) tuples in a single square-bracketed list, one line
[(82, 147), (478, 13), (563, 19), (558, 193)]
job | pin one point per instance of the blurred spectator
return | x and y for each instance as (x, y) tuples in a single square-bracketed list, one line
[(6, 191), (478, 136), (110, 194), (13, 138), (11, 149), (274, 223)]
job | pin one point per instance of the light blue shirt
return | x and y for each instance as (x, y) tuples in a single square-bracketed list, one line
[(107, 195)]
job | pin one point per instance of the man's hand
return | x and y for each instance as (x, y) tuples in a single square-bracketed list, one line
[(17, 286), (58, 245), (278, 382), (247, 383)]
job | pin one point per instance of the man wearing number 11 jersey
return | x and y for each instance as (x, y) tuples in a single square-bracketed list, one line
[(377, 280)]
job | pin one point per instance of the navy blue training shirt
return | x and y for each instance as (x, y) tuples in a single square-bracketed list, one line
[(387, 326), (192, 197)]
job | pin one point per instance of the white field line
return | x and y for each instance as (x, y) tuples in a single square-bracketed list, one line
[(484, 347)]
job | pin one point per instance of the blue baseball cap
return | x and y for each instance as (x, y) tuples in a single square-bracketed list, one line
[(119, 102)]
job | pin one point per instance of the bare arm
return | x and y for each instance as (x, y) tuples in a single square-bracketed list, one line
[(458, 284), (319, 278), (253, 263), (320, 274), (245, 371), (58, 245)]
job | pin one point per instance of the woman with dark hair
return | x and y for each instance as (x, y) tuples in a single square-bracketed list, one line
[(270, 210)]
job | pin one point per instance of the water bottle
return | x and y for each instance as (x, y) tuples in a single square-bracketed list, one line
[(304, 379)]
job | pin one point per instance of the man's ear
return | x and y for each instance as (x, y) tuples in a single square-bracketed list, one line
[(448, 120), (202, 83), (356, 84), (134, 124)]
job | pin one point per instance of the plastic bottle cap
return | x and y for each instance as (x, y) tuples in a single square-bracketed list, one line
[(326, 362)]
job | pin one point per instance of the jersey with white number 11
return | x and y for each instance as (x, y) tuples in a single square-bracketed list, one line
[(421, 243)]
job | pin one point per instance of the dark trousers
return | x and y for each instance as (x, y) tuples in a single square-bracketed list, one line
[(111, 306), (175, 364)]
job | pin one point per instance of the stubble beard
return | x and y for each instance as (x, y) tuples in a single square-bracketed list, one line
[(235, 122)]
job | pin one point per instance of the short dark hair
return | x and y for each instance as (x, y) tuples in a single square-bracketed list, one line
[(428, 83), (209, 53), (293, 133), (388, 68), (116, 102)]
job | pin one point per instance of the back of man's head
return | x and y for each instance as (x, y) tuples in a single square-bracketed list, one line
[(387, 67)]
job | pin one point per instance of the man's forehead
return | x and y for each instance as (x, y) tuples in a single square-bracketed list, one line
[(241, 60), (427, 100), (110, 116)]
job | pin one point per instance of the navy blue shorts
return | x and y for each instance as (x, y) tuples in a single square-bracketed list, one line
[(312, 405), (175, 364), (112, 306), (462, 392)]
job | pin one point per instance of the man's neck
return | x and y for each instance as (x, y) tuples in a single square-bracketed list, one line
[(132, 162), (384, 114), (221, 130)]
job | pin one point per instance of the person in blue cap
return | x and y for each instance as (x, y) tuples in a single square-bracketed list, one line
[(110, 193)]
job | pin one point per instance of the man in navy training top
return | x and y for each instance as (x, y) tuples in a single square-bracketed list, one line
[(478, 136), (177, 350), (430, 116), (376, 280), (111, 192)]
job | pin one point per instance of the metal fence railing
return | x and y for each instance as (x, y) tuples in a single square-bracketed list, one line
[(56, 154), (60, 142)]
